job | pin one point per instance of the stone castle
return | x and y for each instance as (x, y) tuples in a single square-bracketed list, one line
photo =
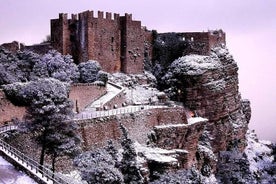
[(121, 44), (118, 43)]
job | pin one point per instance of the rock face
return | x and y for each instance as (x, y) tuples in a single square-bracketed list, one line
[(208, 86)]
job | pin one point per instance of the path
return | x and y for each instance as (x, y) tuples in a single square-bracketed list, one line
[(123, 110), (112, 91)]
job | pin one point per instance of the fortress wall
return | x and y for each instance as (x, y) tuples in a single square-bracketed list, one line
[(97, 132), (104, 42), (132, 45), (8, 111), (117, 42), (84, 94)]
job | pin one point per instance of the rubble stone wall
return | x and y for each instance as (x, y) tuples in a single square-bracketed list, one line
[(97, 132), (84, 94), (8, 111)]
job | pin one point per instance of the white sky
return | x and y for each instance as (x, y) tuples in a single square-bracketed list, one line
[(250, 27)]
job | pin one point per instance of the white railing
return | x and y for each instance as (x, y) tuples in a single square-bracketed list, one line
[(7, 128), (43, 173), (113, 112)]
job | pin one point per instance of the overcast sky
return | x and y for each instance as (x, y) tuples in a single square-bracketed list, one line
[(250, 27)]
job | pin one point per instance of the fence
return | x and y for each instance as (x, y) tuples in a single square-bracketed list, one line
[(7, 128), (42, 172), (113, 112)]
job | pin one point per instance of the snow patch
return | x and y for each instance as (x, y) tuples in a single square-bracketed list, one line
[(196, 120), (195, 64), (259, 154), (157, 154)]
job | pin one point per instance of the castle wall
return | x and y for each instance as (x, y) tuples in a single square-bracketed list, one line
[(132, 45), (105, 44), (117, 43), (96, 132), (60, 34), (84, 94), (88, 92), (8, 111)]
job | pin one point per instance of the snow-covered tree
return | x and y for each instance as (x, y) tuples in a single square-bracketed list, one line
[(12, 68), (129, 166), (55, 65), (89, 71), (102, 76), (27, 66), (98, 167), (49, 114)]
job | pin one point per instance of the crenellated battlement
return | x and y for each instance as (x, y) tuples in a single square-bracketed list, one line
[(90, 15), (104, 37), (119, 43)]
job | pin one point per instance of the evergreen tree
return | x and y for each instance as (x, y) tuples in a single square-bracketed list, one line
[(49, 115), (129, 167)]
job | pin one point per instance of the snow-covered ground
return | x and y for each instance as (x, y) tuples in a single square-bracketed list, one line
[(137, 93), (112, 91), (259, 153), (9, 175)]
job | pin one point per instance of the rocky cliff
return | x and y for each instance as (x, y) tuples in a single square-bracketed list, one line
[(208, 87)]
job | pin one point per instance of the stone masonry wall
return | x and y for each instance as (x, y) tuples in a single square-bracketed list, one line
[(8, 111), (97, 132), (183, 137), (84, 94), (80, 94), (132, 45), (117, 42)]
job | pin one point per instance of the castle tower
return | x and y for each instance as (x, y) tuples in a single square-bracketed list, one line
[(116, 43), (132, 45), (60, 36)]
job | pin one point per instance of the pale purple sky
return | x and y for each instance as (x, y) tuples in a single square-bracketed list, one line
[(250, 27)]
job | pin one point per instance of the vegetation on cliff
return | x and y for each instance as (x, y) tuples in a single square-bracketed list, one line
[(49, 116), (28, 66)]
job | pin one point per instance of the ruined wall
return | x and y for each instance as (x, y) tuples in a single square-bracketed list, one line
[(8, 111), (39, 48), (81, 95), (199, 43), (116, 102), (84, 94), (13, 46), (96, 132)]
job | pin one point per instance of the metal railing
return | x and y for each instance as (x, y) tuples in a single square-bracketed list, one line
[(113, 112), (42, 172)]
